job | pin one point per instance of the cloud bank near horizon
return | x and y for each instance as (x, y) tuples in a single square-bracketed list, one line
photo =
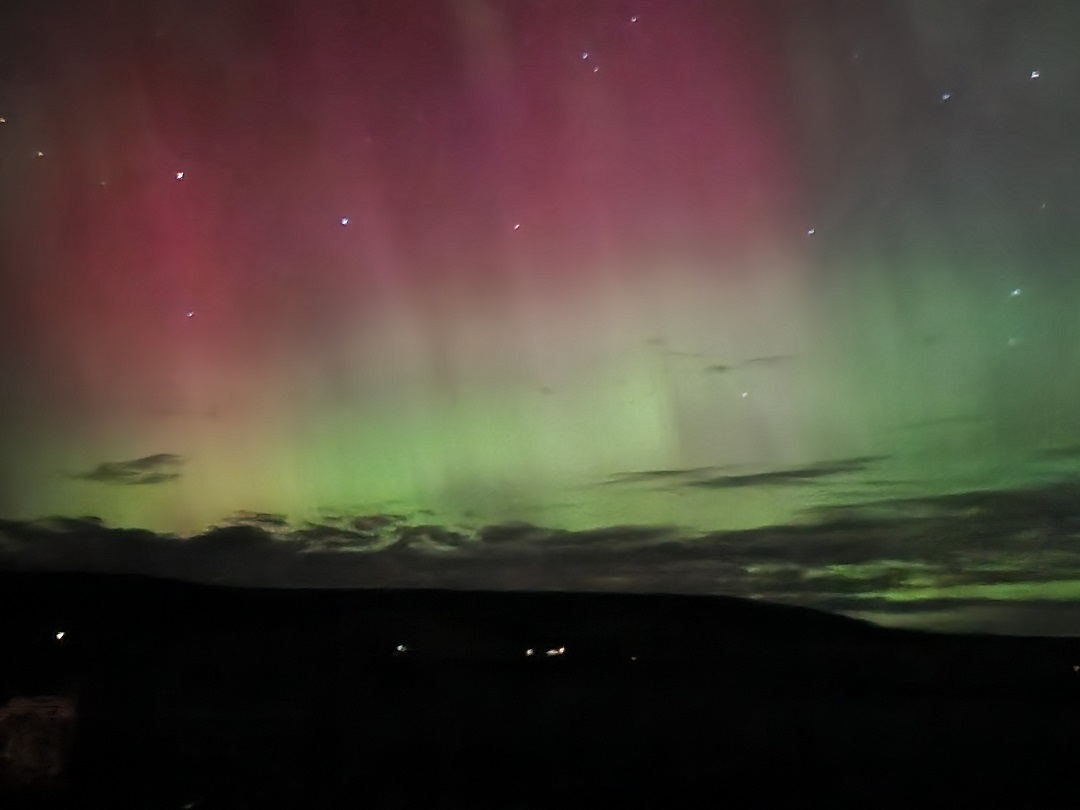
[(1001, 561)]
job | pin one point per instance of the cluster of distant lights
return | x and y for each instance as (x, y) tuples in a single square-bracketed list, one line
[(401, 649), (550, 653), (531, 652)]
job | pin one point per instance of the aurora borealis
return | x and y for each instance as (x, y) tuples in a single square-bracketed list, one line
[(696, 269)]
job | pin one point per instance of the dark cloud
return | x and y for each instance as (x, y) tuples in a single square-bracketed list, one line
[(795, 475), (155, 469), (769, 361), (716, 478), (659, 475), (269, 519), (723, 368)]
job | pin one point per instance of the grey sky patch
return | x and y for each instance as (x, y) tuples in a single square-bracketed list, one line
[(1069, 452), (971, 420)]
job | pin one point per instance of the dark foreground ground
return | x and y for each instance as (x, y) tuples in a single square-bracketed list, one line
[(201, 697)]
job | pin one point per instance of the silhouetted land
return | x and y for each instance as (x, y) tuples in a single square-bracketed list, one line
[(215, 697)]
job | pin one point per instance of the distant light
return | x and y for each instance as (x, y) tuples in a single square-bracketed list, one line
[(596, 70), (1015, 293), (946, 96), (811, 232), (179, 175), (3, 120), (584, 54), (517, 226), (1035, 74), (190, 313), (40, 153), (401, 648), (558, 651), (634, 18), (530, 651), (344, 220), (745, 394), (60, 635), (633, 658)]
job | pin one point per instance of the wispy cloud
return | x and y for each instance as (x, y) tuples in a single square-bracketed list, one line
[(794, 475), (155, 469), (717, 478)]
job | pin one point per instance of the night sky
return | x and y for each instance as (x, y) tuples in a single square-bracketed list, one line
[(764, 298)]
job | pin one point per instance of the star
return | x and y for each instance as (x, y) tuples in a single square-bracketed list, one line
[(179, 175), (811, 232), (40, 154), (344, 220), (946, 96), (1035, 74), (190, 313), (634, 18)]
